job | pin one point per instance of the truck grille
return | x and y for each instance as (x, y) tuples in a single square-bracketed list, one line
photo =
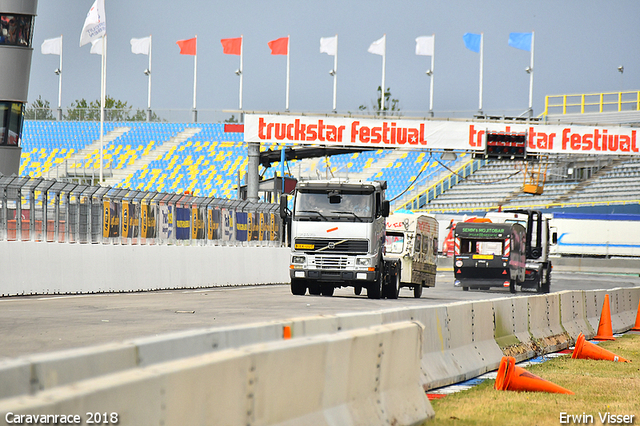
[(331, 262), (336, 245)]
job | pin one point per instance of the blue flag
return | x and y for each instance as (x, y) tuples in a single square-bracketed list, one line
[(520, 41), (472, 41)]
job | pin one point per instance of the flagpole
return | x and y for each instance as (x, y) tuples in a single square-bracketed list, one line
[(481, 71), (60, 83), (384, 57), (241, 73), (288, 45), (531, 78), (335, 76), (433, 59), (149, 90), (195, 80), (103, 88)]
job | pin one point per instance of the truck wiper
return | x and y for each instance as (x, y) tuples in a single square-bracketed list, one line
[(313, 211), (352, 213)]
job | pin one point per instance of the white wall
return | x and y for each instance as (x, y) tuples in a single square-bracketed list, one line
[(48, 268)]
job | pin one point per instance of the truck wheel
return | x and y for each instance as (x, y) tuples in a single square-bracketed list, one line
[(357, 290), (512, 286), (374, 290), (314, 288), (417, 291), (298, 287), (327, 289), (465, 288), (393, 286)]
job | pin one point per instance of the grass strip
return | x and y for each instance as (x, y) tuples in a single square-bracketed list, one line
[(601, 388)]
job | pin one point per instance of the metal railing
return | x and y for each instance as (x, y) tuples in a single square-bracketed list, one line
[(592, 103), (444, 184), (37, 209)]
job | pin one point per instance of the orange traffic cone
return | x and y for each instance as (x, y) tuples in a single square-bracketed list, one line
[(587, 350), (637, 326), (605, 332), (512, 377)]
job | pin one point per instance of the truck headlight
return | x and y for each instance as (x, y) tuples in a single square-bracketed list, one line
[(363, 261), (297, 259)]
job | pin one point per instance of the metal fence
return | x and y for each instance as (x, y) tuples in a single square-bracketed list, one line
[(37, 209)]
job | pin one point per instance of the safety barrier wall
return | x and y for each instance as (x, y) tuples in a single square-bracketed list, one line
[(362, 376), (45, 268), (459, 341), (36, 209)]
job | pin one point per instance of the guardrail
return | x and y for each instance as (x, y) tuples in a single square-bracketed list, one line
[(591, 102), (444, 184), (41, 210)]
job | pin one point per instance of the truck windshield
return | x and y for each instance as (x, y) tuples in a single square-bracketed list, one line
[(332, 206), (472, 246), (394, 242)]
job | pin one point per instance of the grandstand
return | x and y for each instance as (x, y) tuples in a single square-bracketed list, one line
[(205, 160)]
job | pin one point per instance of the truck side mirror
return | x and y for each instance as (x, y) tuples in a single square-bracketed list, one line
[(284, 210), (385, 208)]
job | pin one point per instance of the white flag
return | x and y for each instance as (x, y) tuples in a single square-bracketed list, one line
[(96, 46), (425, 45), (379, 46), (95, 25), (140, 46), (329, 45), (52, 46)]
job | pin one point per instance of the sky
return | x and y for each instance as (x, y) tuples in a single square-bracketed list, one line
[(579, 45)]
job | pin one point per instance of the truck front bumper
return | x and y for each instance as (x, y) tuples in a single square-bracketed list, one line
[(332, 275)]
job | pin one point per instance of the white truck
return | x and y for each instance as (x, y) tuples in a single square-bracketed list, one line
[(337, 238), (540, 236), (413, 240)]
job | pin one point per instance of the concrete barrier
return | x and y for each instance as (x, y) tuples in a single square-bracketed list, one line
[(458, 342), (71, 268), (573, 314), (363, 376)]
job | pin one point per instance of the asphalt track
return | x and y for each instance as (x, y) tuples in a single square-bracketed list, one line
[(36, 324)]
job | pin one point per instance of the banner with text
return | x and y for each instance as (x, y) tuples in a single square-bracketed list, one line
[(435, 134)]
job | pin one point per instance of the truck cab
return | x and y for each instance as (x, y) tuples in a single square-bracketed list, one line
[(337, 238), (489, 255), (540, 237)]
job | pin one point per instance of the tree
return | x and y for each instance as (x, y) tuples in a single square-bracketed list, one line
[(39, 110), (391, 106), (115, 110), (141, 115), (231, 119)]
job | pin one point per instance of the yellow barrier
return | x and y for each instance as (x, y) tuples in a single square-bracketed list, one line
[(591, 102)]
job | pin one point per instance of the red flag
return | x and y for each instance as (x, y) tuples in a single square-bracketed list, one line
[(231, 46), (279, 46), (187, 47)]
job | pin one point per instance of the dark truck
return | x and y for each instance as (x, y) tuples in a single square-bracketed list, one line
[(489, 255)]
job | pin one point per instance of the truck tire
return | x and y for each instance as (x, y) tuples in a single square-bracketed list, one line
[(417, 291), (357, 290), (327, 289), (512, 286), (465, 288), (392, 287), (314, 288), (298, 287), (374, 290)]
